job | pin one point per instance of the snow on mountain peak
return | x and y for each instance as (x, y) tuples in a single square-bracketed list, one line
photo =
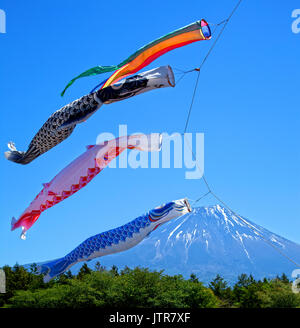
[(208, 241)]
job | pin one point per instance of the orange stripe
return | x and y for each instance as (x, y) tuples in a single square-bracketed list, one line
[(152, 58), (170, 44)]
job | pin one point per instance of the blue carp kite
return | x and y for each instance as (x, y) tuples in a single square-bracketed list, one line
[(116, 240)]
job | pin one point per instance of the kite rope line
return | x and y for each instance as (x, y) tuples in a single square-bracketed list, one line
[(197, 200), (210, 191), (198, 69)]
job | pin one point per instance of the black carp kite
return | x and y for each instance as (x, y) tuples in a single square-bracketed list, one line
[(61, 124)]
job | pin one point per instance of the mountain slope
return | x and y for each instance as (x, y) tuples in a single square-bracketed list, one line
[(209, 241)]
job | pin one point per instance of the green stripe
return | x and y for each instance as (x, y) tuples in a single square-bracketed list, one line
[(90, 72)]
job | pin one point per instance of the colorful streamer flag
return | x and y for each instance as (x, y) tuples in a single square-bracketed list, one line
[(196, 31)]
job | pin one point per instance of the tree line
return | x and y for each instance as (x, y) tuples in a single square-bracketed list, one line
[(140, 287)]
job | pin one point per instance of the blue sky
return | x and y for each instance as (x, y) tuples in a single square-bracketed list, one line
[(247, 107)]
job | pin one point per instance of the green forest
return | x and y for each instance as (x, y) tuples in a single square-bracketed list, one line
[(141, 288)]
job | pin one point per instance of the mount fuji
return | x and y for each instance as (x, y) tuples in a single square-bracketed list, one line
[(210, 241)]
